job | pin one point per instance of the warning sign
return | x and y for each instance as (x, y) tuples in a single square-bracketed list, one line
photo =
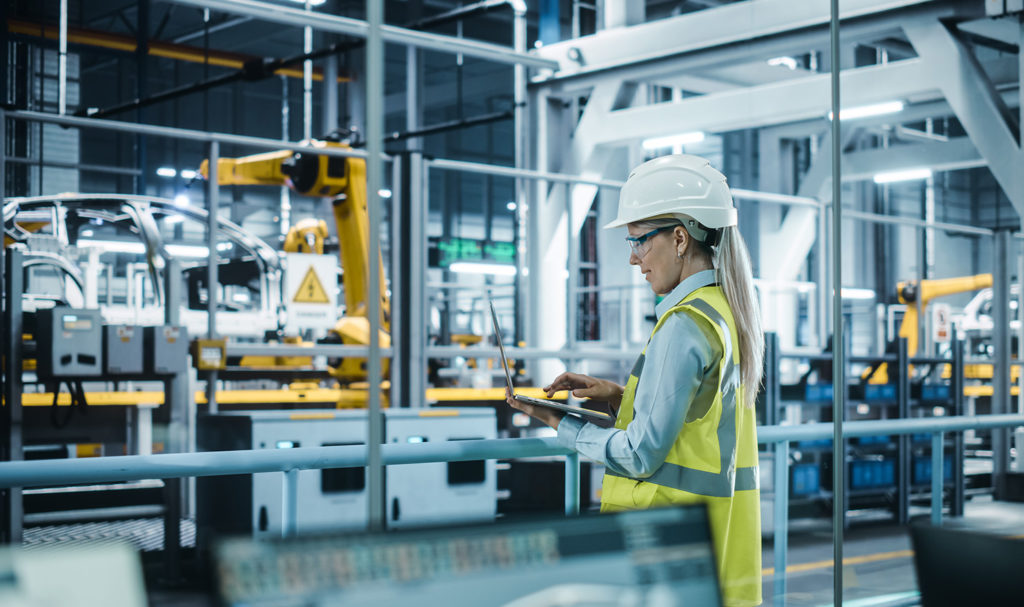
[(942, 323), (311, 286), (311, 291)]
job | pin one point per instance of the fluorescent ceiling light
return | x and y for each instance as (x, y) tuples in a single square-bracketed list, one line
[(471, 267), (311, 2), (114, 246), (87, 233), (191, 251), (908, 175), (786, 61), (188, 174), (853, 293), (181, 200), (384, 193), (656, 143), (511, 206), (166, 172), (864, 111), (173, 219)]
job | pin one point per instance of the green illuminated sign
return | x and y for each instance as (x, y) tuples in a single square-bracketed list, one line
[(452, 250)]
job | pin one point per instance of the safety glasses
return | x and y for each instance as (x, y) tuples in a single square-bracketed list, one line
[(640, 245)]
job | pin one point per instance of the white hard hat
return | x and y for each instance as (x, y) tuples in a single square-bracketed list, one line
[(679, 184)]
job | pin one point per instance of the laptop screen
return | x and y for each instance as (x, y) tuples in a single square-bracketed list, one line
[(501, 347)]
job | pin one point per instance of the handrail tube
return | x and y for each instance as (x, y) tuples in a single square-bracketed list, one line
[(775, 434), (507, 171), (311, 350), (39, 473), (490, 352)]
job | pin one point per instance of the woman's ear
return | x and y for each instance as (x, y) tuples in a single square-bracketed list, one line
[(682, 239)]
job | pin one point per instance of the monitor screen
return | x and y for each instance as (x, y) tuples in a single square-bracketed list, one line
[(652, 557)]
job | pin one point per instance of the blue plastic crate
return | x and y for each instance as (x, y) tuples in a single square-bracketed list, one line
[(934, 392), (880, 392), (806, 479), (922, 473), (818, 392)]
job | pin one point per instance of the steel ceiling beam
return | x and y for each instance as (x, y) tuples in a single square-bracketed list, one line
[(324, 22), (745, 30)]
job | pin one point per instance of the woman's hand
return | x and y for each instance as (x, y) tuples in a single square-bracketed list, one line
[(584, 386), (543, 414)]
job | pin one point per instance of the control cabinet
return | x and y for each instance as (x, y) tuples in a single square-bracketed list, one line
[(122, 350), (69, 343), (336, 500)]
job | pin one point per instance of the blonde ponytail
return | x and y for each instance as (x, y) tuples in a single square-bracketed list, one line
[(732, 268)]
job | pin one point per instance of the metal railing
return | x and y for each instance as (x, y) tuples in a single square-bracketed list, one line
[(289, 462)]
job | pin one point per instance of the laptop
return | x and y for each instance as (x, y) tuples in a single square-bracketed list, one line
[(580, 412)]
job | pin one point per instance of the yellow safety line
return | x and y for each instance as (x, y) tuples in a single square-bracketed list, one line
[(853, 560), (438, 413), (301, 416)]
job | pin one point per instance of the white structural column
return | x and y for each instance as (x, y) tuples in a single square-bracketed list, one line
[(956, 72)]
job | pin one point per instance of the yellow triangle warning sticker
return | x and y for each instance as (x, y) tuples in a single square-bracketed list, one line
[(311, 290)]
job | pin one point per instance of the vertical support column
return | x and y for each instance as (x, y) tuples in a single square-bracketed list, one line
[(1001, 366), (141, 76), (374, 138), (521, 136), (937, 446), (290, 503), (212, 280), (838, 350), (572, 484), (307, 78), (13, 511), (903, 453), (956, 506), (330, 109), (408, 303), (176, 395), (772, 388), (62, 60), (780, 471), (573, 269)]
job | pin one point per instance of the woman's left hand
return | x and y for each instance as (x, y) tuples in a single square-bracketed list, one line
[(547, 416)]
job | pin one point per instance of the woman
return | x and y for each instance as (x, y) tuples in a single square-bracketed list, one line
[(684, 432)]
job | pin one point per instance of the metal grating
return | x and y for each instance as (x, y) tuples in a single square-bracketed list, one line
[(145, 535)]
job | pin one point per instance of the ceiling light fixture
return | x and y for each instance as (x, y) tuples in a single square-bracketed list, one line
[(166, 172), (181, 201), (656, 143), (865, 111), (472, 267), (786, 61), (907, 175), (188, 174)]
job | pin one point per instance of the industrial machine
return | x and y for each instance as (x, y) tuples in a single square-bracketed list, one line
[(343, 180), (336, 499)]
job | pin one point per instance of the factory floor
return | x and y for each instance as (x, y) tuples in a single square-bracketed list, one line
[(877, 556), (879, 568)]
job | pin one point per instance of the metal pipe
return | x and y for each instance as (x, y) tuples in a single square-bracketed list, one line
[(96, 168), (1020, 313), (838, 364), (451, 125), (572, 484), (1001, 362), (276, 13), (62, 60), (212, 279), (530, 353), (374, 181), (490, 169), (307, 78), (781, 516), (12, 506), (783, 199), (330, 350), (937, 478), (919, 223), (38, 473), (290, 503), (176, 133)]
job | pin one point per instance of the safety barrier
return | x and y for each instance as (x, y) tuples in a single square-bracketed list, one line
[(290, 461)]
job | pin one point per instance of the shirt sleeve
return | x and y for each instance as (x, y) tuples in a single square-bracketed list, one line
[(676, 360)]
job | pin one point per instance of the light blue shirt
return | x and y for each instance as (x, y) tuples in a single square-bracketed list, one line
[(676, 359)]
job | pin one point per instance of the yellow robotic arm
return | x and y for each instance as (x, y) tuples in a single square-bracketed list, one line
[(344, 181), (917, 294)]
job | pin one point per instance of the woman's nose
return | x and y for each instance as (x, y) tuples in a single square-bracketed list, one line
[(634, 260)]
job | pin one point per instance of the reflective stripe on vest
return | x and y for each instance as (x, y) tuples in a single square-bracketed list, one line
[(702, 482)]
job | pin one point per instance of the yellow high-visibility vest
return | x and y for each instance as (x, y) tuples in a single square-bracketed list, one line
[(713, 461)]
